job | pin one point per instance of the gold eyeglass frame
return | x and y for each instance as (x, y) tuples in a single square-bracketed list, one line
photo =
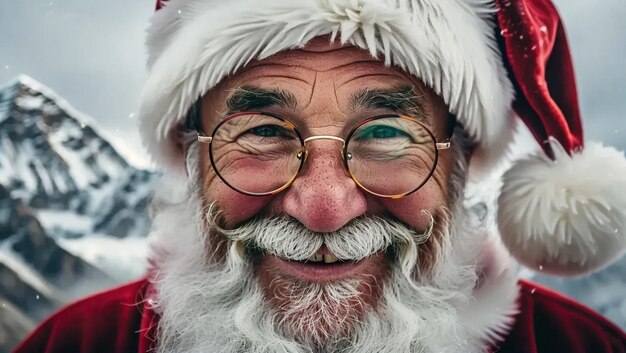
[(203, 138)]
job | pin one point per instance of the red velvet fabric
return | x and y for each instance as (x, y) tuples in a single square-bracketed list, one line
[(537, 54), (115, 321), (549, 322), (120, 321)]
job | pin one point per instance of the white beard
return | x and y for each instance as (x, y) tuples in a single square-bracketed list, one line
[(465, 300)]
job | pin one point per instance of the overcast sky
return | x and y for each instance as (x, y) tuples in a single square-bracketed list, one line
[(92, 53)]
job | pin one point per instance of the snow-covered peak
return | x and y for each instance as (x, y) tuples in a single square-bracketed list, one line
[(73, 211), (25, 82), (49, 146), (54, 157)]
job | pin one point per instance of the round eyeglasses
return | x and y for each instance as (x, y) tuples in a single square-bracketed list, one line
[(260, 154)]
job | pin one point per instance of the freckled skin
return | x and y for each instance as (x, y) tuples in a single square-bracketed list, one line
[(324, 198)]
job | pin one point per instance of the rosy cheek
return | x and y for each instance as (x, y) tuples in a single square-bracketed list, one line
[(236, 207), (256, 176), (410, 208)]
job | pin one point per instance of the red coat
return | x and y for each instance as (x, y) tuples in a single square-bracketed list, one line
[(117, 321)]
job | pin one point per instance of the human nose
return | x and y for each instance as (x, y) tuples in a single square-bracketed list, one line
[(324, 197)]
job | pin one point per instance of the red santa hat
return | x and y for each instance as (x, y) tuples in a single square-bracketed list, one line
[(562, 211)]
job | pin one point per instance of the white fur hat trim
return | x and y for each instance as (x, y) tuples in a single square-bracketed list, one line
[(450, 45)]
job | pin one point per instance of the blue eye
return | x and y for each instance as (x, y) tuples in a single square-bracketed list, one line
[(381, 132), (266, 131)]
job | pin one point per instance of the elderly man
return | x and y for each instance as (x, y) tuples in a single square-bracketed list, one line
[(317, 153)]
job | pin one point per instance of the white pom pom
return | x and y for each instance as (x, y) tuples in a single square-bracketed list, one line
[(568, 216)]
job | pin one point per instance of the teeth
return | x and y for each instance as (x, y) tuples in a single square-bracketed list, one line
[(316, 258), (329, 259)]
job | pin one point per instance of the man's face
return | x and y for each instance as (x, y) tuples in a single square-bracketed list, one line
[(319, 86)]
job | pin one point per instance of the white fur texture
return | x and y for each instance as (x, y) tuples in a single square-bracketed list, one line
[(568, 216), (450, 45)]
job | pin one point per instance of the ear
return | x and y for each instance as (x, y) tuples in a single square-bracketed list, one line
[(451, 124), (182, 139), (185, 133), (465, 143)]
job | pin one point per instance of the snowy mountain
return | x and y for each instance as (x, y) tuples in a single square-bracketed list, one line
[(73, 211), (53, 158), (36, 274)]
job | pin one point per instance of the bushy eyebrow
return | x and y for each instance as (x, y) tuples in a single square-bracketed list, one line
[(249, 98), (400, 100)]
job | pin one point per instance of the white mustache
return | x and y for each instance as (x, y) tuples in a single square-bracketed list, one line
[(362, 237)]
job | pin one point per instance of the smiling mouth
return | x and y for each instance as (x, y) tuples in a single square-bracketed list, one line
[(323, 266), (323, 256)]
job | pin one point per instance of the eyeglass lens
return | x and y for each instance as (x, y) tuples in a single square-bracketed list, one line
[(256, 153), (260, 154), (391, 156)]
